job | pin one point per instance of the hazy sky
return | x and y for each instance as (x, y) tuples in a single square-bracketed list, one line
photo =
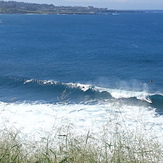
[(110, 4)]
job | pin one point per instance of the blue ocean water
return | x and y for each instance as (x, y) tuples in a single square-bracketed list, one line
[(82, 59)]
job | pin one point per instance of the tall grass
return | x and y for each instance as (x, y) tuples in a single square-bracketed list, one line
[(114, 142), (111, 145)]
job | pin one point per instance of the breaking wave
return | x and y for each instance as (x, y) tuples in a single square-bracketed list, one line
[(49, 91), (41, 105)]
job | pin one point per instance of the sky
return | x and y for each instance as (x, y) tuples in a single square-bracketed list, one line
[(110, 4)]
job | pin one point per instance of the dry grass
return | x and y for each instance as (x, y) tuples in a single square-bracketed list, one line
[(107, 147)]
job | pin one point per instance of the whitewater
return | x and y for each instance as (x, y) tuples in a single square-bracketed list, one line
[(81, 72), (38, 119)]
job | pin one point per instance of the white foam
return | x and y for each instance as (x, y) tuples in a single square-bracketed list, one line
[(28, 81), (121, 93), (83, 87), (39, 119)]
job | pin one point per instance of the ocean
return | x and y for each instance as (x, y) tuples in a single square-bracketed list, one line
[(81, 69)]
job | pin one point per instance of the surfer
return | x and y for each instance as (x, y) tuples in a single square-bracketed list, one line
[(151, 81)]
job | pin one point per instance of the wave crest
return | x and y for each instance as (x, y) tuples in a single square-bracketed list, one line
[(53, 92)]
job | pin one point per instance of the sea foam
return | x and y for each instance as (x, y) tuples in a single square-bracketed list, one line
[(36, 119)]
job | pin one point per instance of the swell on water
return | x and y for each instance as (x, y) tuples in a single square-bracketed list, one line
[(87, 107), (49, 91)]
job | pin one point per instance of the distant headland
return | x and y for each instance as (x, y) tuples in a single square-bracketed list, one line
[(13, 7)]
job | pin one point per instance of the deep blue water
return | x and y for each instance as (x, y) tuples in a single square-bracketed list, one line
[(40, 55)]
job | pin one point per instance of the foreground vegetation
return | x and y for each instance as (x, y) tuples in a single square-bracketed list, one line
[(109, 146), (114, 141)]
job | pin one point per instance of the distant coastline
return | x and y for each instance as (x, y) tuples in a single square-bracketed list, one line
[(13, 7)]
